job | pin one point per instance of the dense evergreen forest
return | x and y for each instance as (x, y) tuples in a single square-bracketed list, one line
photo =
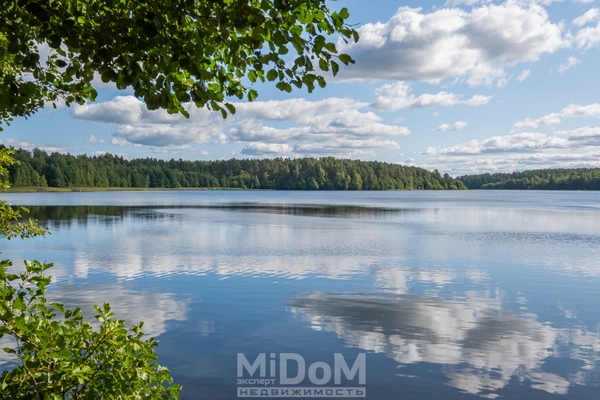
[(539, 179), (38, 168)]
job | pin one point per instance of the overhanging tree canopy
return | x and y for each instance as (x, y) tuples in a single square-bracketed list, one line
[(168, 51)]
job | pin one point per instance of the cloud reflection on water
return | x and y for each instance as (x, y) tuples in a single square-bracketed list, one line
[(480, 346), (155, 309)]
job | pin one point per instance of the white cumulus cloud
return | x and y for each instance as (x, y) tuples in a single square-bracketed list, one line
[(443, 127), (524, 75), (580, 148), (509, 143), (333, 126), (94, 140), (572, 110), (591, 15), (396, 96), (588, 37), (458, 125), (138, 125), (270, 149), (571, 62), (476, 45)]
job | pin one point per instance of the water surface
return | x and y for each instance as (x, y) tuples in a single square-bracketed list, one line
[(451, 295)]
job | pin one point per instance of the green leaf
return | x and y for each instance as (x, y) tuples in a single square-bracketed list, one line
[(334, 68), (252, 95), (64, 353), (252, 76), (272, 75), (230, 107), (284, 86), (346, 59), (323, 65)]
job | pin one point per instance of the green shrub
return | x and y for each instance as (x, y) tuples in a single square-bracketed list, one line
[(65, 358)]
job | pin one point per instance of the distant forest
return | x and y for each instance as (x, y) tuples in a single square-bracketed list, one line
[(40, 169), (539, 179)]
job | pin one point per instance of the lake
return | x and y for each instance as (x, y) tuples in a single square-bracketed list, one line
[(442, 295)]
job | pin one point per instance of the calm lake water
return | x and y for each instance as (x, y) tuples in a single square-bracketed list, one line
[(450, 295)]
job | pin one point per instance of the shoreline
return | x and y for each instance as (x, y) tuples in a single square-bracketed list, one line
[(34, 189)]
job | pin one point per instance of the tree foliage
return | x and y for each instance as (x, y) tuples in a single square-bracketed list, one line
[(540, 179), (11, 224), (169, 52), (38, 168)]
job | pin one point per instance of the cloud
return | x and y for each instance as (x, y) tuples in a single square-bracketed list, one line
[(550, 119), (510, 143), (119, 142), (345, 147), (591, 15), (298, 110), (94, 141), (524, 75), (572, 110), (338, 125), (138, 125), (589, 37), (20, 144), (509, 162), (332, 126), (571, 62), (578, 148), (585, 136), (466, 2), (476, 45), (395, 96), (120, 110), (266, 149), (458, 125), (161, 135)]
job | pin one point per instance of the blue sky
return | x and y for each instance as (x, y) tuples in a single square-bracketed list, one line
[(464, 86)]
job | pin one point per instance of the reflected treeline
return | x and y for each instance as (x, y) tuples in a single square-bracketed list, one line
[(66, 213), (481, 348), (350, 211), (60, 215), (63, 216)]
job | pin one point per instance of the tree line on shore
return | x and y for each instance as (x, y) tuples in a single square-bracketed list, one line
[(539, 179), (37, 168)]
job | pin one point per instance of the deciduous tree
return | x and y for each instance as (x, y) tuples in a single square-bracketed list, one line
[(169, 52)]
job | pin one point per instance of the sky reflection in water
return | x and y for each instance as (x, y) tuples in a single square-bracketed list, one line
[(452, 295)]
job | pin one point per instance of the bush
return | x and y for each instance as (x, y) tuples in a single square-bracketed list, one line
[(65, 358)]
